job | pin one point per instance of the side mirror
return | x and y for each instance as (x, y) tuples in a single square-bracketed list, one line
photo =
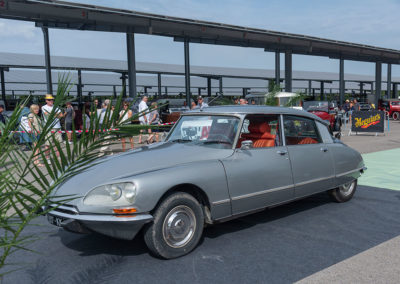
[(246, 145), (338, 135)]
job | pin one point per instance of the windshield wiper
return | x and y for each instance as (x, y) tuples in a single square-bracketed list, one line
[(217, 142), (181, 140)]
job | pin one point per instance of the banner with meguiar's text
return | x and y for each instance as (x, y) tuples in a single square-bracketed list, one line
[(368, 121)]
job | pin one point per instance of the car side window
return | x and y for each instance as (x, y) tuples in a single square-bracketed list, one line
[(325, 135), (262, 130), (300, 131)]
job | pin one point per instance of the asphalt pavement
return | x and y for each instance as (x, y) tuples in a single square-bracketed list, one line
[(280, 245)]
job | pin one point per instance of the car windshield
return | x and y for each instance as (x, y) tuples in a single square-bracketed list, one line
[(395, 103), (316, 106), (209, 130)]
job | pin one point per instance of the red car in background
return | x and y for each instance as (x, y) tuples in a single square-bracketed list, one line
[(326, 111), (392, 106)]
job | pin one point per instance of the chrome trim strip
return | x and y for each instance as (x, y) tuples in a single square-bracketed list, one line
[(312, 181), (262, 192), (103, 218), (349, 172), (63, 207), (221, 202)]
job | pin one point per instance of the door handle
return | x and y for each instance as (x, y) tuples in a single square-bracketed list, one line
[(281, 152), (323, 149)]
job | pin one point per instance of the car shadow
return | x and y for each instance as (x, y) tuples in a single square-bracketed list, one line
[(94, 244), (266, 215)]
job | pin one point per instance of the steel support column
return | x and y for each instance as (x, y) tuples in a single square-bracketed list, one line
[(277, 68), (115, 91), (220, 86), (288, 71), (394, 95), (166, 91), (130, 47), (47, 60), (187, 71), (361, 88), (378, 82), (341, 81), (309, 87), (3, 86), (321, 95), (159, 84), (389, 81), (123, 79), (209, 86), (79, 87)]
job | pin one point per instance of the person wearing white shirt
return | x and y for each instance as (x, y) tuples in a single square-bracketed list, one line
[(144, 116), (200, 103), (56, 125)]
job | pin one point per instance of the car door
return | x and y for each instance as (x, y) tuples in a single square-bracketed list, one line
[(311, 160), (259, 176)]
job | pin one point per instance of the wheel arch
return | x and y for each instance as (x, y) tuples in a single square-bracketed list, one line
[(188, 188)]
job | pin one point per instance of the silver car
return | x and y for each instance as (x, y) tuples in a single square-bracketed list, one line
[(215, 165)]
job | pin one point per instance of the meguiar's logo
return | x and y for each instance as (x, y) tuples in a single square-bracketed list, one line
[(365, 123)]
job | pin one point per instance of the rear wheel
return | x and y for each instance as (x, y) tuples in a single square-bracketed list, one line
[(396, 115), (344, 192), (177, 226)]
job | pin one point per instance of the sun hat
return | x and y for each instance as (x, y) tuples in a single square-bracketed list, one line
[(49, 97)]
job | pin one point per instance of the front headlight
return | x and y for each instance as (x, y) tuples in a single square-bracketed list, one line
[(116, 194)]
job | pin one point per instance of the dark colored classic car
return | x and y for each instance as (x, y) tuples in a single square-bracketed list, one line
[(391, 106), (215, 165), (325, 110)]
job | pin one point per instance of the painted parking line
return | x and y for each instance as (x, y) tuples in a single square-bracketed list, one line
[(383, 169)]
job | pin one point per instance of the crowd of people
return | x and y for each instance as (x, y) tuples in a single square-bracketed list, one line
[(68, 118)]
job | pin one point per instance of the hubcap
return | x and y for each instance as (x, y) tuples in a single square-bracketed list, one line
[(179, 226), (347, 188)]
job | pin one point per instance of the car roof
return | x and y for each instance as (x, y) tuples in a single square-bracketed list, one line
[(254, 109)]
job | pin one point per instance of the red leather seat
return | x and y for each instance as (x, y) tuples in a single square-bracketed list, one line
[(260, 134), (308, 140)]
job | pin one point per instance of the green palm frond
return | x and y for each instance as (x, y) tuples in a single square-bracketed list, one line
[(26, 187)]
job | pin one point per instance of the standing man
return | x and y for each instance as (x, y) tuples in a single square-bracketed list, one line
[(143, 118), (200, 103), (69, 119), (2, 119), (356, 105), (55, 124)]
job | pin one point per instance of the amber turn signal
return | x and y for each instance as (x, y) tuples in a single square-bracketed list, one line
[(124, 210)]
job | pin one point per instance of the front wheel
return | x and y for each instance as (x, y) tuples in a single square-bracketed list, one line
[(177, 226), (344, 192), (396, 115)]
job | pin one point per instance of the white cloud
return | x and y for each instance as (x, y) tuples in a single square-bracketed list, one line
[(18, 29)]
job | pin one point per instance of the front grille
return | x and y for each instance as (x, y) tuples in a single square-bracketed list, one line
[(64, 208)]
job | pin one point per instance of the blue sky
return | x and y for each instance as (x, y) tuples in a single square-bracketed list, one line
[(361, 21)]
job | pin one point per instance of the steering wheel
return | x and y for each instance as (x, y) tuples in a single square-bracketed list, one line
[(220, 138)]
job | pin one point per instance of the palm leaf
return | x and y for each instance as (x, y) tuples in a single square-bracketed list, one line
[(21, 198)]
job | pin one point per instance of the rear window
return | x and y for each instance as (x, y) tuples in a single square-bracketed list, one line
[(300, 131)]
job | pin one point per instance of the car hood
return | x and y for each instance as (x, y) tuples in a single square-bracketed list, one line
[(142, 160)]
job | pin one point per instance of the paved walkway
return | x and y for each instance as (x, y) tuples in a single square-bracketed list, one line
[(383, 169)]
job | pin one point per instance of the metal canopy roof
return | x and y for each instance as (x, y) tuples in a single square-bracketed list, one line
[(59, 14), (31, 61), (22, 82)]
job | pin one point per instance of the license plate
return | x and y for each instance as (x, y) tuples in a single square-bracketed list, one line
[(56, 221)]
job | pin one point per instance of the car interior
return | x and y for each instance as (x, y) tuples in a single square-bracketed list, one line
[(262, 130)]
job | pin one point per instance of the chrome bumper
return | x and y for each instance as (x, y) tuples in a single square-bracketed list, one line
[(121, 227)]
